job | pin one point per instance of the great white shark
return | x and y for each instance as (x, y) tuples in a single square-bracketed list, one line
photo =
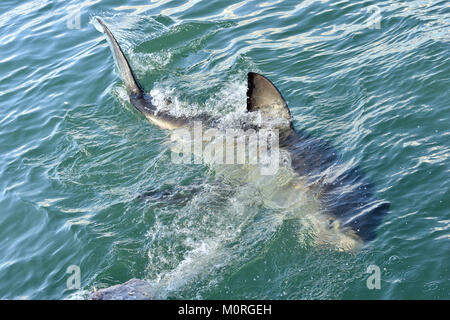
[(348, 209)]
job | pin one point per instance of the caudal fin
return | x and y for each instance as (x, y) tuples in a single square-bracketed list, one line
[(125, 71)]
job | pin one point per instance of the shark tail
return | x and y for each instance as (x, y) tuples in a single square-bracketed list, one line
[(126, 73)]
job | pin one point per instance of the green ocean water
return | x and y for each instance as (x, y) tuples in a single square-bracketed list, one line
[(370, 77)]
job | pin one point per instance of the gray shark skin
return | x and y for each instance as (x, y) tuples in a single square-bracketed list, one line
[(347, 199)]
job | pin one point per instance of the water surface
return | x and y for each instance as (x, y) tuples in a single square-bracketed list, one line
[(373, 82)]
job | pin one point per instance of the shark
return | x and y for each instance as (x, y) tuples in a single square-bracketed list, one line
[(348, 211)]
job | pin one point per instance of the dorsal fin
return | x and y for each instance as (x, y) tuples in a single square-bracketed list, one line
[(264, 96), (126, 73)]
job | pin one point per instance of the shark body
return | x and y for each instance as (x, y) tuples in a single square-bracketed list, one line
[(349, 211)]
